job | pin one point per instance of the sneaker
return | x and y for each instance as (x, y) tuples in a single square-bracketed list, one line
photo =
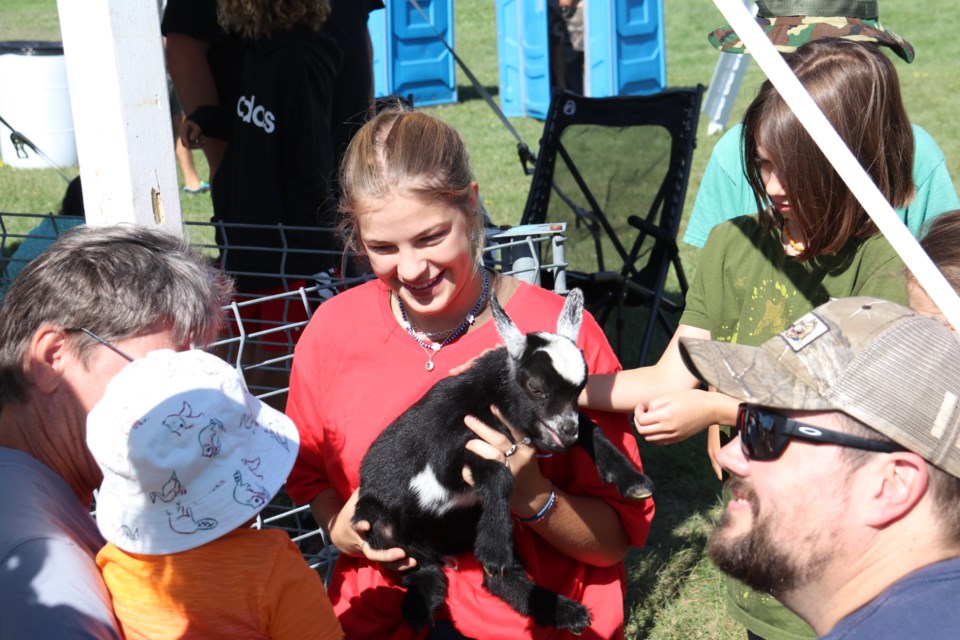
[(203, 188)]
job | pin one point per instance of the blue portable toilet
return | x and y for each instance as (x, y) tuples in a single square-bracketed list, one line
[(624, 52), (409, 58), (523, 50)]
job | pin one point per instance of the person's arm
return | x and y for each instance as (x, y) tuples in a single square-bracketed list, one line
[(57, 572), (624, 390), (581, 527), (713, 449), (195, 87), (192, 77)]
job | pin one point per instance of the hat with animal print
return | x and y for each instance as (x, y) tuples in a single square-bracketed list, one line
[(891, 369), (187, 453)]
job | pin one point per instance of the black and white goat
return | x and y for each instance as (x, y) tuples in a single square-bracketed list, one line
[(411, 486)]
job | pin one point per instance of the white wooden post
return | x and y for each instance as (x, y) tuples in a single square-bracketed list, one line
[(121, 115)]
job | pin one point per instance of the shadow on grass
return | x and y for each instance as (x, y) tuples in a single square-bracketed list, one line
[(686, 492), (469, 92)]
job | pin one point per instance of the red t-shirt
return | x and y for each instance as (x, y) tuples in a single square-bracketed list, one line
[(354, 371)]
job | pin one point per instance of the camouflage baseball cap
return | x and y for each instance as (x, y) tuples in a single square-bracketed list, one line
[(875, 360), (791, 23)]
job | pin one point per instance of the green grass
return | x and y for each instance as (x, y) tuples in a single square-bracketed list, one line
[(674, 592)]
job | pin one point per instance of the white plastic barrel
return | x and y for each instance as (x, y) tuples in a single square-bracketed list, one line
[(35, 101)]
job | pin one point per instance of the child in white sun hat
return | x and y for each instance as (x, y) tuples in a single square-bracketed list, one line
[(189, 458)]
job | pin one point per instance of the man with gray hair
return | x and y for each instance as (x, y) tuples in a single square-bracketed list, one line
[(845, 477), (96, 298)]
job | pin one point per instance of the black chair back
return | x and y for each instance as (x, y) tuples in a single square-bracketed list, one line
[(616, 171)]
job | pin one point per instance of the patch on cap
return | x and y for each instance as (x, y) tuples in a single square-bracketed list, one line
[(804, 331)]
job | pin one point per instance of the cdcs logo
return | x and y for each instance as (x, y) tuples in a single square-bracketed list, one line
[(249, 111)]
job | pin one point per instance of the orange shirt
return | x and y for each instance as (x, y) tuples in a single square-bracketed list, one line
[(247, 584)]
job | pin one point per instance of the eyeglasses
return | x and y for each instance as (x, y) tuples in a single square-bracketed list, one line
[(86, 331), (764, 434)]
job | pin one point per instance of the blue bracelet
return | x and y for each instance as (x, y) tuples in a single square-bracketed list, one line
[(543, 510)]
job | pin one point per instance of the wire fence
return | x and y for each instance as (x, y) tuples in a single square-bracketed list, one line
[(262, 328)]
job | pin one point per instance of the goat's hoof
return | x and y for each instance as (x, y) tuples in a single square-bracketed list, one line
[(572, 616), (494, 573), (640, 490), (417, 613)]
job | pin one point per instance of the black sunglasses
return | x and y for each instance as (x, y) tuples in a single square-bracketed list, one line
[(764, 434)]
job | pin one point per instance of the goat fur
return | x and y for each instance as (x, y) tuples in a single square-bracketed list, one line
[(411, 487)]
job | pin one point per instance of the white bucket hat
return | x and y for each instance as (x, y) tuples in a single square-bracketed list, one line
[(187, 454)]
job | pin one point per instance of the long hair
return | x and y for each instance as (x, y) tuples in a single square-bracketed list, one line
[(256, 19), (856, 87), (120, 282), (410, 153)]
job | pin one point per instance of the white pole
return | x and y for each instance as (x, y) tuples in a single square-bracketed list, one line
[(826, 137), (121, 115)]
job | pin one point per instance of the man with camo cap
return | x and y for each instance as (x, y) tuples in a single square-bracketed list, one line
[(845, 476)]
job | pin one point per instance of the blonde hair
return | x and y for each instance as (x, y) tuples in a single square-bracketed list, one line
[(256, 19), (408, 152)]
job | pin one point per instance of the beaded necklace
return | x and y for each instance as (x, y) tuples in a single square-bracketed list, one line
[(432, 348), (799, 247)]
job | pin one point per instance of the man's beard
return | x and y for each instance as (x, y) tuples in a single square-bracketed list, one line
[(753, 557)]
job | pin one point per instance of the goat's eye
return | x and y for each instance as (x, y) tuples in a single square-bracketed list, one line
[(535, 389)]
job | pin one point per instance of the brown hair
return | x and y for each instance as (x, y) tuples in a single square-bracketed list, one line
[(856, 87), (262, 18), (407, 152), (942, 243)]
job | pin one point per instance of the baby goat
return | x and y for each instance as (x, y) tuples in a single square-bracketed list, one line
[(411, 486)]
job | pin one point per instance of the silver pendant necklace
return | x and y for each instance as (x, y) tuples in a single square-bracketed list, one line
[(432, 348)]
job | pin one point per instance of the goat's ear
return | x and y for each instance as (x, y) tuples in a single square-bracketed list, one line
[(516, 342), (571, 316)]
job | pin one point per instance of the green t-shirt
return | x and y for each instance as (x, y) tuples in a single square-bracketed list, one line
[(746, 290), (724, 192)]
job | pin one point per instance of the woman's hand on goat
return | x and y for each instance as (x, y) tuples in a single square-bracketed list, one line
[(350, 539), (528, 483)]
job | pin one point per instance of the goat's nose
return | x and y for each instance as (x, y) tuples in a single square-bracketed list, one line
[(569, 428)]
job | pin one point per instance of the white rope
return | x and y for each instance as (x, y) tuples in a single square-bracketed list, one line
[(826, 137)]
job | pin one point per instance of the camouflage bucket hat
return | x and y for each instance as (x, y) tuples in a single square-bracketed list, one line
[(875, 360), (791, 23)]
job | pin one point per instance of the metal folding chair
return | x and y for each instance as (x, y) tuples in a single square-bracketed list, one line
[(616, 171)]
